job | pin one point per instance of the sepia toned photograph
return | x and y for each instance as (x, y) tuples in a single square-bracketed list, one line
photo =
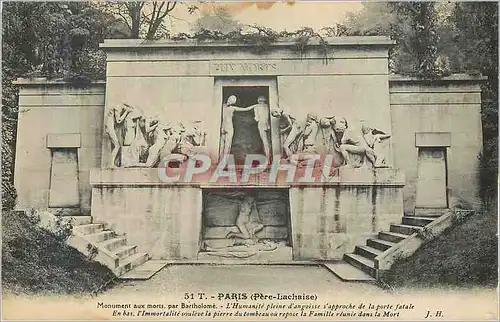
[(240, 161)]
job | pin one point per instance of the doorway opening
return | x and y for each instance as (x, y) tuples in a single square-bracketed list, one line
[(246, 138)]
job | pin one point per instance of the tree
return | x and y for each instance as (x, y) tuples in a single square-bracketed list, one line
[(414, 27), (219, 20), (415, 30), (144, 18), (476, 37)]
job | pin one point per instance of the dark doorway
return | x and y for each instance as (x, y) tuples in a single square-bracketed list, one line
[(246, 139)]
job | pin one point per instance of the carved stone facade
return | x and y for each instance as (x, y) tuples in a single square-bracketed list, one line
[(164, 99)]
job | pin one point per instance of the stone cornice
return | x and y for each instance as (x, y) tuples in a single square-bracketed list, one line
[(332, 41), (452, 78)]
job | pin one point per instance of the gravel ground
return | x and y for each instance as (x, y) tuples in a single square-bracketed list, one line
[(243, 278)]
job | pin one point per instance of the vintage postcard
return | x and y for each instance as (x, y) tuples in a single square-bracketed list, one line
[(223, 161)]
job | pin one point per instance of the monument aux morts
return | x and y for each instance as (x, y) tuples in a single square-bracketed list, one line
[(209, 150)]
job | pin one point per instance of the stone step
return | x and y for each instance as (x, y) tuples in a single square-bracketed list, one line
[(430, 212), (101, 236), (125, 251), (367, 251), (81, 220), (379, 244), (127, 263), (364, 264), (417, 221), (392, 237), (114, 243), (405, 229), (145, 271), (348, 273), (89, 228)]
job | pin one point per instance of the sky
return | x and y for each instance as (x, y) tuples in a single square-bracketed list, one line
[(281, 15)]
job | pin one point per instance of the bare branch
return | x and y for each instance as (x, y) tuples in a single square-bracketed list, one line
[(153, 16), (124, 20), (174, 3)]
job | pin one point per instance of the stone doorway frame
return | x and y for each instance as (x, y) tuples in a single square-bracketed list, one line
[(289, 240), (249, 81)]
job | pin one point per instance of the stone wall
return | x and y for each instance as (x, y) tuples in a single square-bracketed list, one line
[(329, 221), (450, 107), (164, 221), (182, 81), (55, 115)]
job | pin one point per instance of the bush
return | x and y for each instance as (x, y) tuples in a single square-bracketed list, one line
[(37, 261), (465, 255)]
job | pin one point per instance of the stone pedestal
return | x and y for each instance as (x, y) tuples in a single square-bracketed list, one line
[(326, 219)]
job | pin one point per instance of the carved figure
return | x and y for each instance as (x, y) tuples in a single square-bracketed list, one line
[(261, 116), (347, 142), (130, 149), (248, 221), (294, 133), (161, 132), (116, 115), (193, 140), (373, 139), (288, 128), (227, 130), (172, 146), (307, 139)]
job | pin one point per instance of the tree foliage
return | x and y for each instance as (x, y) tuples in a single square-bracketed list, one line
[(415, 30), (414, 27), (49, 39), (476, 38), (217, 20)]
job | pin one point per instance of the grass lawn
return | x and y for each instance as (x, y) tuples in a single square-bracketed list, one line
[(465, 255), (35, 261)]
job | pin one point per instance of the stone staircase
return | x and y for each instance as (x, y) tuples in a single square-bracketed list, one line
[(367, 263), (97, 241)]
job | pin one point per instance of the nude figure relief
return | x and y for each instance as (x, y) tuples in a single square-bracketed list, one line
[(244, 242), (141, 140)]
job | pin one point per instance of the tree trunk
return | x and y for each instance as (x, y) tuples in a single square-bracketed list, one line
[(135, 16)]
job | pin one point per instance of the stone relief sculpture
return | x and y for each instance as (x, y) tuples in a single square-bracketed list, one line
[(227, 129), (307, 140), (261, 117), (132, 142), (243, 243), (349, 142), (296, 135), (161, 133), (144, 140), (286, 126), (330, 135), (138, 140), (374, 139), (194, 139), (248, 221), (114, 119)]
